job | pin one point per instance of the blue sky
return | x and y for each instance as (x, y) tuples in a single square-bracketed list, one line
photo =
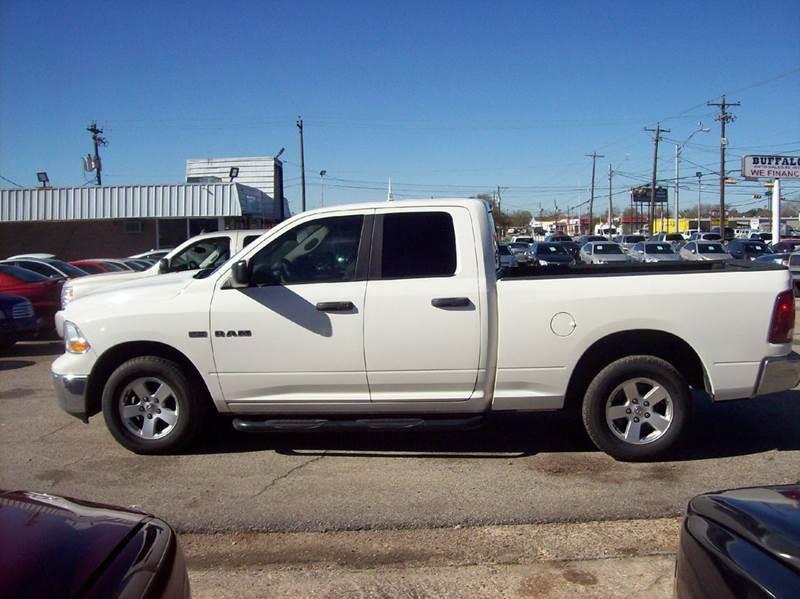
[(446, 98)]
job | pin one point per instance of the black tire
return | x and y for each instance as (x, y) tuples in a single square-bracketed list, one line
[(191, 404), (607, 382), (7, 344)]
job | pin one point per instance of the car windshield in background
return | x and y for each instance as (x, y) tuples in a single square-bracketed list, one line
[(756, 248), (550, 248), (634, 238), (518, 246), (712, 236), (673, 237), (23, 274), (68, 269), (658, 248), (607, 248), (711, 248)]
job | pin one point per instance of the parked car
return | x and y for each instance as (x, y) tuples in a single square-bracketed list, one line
[(550, 254), (153, 254), (782, 259), (676, 240), (36, 256), (584, 239), (208, 250), (320, 308), (98, 265), (704, 251), (603, 252), (729, 233), (49, 267), (520, 251), (653, 251), (572, 248), (60, 547), (759, 236), (17, 320), (705, 237), (522, 239), (740, 543), (787, 246), (44, 293), (747, 249), (507, 258), (138, 264), (628, 241), (557, 237)]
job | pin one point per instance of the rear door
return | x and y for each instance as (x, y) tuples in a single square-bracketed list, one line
[(422, 333)]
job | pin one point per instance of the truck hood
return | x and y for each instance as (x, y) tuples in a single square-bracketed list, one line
[(93, 283), (149, 290)]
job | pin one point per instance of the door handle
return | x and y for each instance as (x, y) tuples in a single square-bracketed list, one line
[(450, 302), (335, 306)]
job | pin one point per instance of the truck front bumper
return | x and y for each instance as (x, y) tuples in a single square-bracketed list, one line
[(71, 393), (778, 374)]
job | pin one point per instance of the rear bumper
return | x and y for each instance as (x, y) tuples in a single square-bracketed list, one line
[(778, 374), (71, 394)]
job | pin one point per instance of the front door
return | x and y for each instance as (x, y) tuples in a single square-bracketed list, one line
[(295, 335), (422, 328)]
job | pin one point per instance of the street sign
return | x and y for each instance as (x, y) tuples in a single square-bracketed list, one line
[(779, 167)]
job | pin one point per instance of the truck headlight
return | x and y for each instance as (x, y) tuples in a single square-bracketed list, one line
[(74, 341), (66, 295)]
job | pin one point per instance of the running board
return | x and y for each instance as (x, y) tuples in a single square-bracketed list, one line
[(297, 425)]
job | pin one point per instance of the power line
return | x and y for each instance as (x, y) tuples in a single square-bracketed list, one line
[(10, 181)]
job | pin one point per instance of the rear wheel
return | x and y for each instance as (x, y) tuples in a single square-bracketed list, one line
[(150, 406), (637, 408)]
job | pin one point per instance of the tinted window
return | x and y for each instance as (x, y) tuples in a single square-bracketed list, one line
[(673, 237), (113, 266), (91, 269), (419, 244), (504, 251), (28, 276), (206, 253), (755, 248), (638, 247), (794, 260), (712, 236), (68, 269), (607, 248), (544, 249), (711, 248), (318, 251), (634, 239), (249, 239)]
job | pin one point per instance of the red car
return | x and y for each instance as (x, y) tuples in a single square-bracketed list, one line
[(787, 246), (43, 293), (94, 267)]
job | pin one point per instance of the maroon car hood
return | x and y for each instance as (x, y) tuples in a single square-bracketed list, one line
[(51, 546)]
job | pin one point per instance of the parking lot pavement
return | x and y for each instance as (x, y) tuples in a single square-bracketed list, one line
[(518, 470), (597, 559)]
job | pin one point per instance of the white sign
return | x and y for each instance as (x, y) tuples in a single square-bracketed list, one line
[(775, 167)]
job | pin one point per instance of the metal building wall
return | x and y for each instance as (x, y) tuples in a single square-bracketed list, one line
[(254, 171)]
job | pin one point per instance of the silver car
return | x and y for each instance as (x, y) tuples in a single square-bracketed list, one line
[(654, 251), (704, 251), (603, 252), (507, 259), (628, 241)]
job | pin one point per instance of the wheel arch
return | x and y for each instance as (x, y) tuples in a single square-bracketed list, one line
[(113, 357), (646, 342)]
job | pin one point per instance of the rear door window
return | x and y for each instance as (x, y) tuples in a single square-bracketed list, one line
[(418, 244)]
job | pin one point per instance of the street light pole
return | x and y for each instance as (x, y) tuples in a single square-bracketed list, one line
[(699, 175), (678, 149)]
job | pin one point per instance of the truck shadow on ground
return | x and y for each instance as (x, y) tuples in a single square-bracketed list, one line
[(718, 430)]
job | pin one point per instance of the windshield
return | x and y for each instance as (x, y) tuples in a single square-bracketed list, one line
[(525, 239), (713, 236), (67, 269), (23, 274), (673, 237), (518, 246), (756, 248), (607, 248), (634, 238), (710, 248), (553, 249), (206, 253), (658, 248)]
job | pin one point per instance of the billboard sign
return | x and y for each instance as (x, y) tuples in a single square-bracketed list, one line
[(774, 167), (642, 194)]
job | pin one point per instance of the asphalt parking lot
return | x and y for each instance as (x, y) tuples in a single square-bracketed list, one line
[(518, 470)]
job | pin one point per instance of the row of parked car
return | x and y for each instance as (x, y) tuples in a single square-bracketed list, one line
[(31, 285)]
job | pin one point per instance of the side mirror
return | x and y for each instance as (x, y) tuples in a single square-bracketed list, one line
[(240, 274), (163, 265)]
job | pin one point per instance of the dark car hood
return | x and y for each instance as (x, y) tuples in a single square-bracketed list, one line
[(51, 546), (768, 517)]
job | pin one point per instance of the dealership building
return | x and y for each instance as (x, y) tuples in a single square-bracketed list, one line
[(112, 221)]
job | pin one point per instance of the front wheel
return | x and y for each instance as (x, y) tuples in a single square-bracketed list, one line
[(637, 408), (150, 406)]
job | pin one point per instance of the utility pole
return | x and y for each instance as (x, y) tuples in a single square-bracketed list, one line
[(724, 117), (98, 141), (302, 167), (322, 174), (658, 131), (594, 156), (699, 176), (609, 201), (499, 201)]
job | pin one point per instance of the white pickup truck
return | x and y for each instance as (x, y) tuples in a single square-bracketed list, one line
[(196, 253), (393, 316)]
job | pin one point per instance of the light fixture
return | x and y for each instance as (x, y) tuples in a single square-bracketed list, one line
[(43, 178), (234, 172), (278, 155)]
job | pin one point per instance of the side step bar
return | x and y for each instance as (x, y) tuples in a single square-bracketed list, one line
[(297, 425)]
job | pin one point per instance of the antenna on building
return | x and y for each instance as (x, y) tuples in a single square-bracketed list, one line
[(389, 197)]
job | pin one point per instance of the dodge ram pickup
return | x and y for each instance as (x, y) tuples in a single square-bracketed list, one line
[(393, 316)]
